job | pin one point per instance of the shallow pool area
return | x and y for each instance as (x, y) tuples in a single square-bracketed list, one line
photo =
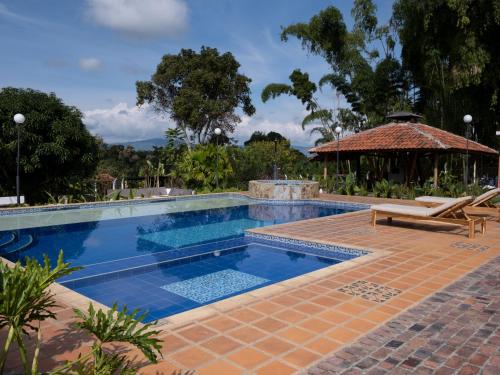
[(171, 256)]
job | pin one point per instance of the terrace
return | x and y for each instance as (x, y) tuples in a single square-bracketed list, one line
[(402, 308)]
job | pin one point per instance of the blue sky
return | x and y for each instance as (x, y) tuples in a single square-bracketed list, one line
[(91, 52)]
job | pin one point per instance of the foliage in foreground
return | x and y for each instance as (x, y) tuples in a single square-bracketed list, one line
[(25, 302)]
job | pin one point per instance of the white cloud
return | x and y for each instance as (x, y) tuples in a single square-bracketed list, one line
[(123, 123), (141, 18), (90, 64)]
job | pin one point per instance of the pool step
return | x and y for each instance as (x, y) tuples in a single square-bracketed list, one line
[(7, 238), (18, 244)]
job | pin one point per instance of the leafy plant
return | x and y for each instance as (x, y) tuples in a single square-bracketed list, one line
[(383, 188), (349, 185), (108, 327), (25, 301)]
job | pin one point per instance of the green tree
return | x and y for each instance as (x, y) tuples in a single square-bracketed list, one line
[(372, 82), (451, 49), (198, 168), (259, 136), (57, 151), (199, 91)]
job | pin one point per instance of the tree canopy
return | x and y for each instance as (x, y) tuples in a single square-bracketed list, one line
[(56, 148), (258, 136), (199, 91), (451, 49), (372, 82)]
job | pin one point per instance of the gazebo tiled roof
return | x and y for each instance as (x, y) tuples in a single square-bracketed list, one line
[(403, 136)]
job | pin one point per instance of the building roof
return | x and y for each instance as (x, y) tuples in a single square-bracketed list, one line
[(403, 136)]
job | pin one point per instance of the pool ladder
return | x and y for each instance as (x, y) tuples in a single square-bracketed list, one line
[(12, 242)]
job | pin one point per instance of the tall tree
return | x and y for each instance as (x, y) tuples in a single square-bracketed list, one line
[(451, 49), (372, 82), (57, 150), (199, 91)]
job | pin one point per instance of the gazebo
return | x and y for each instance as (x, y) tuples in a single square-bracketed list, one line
[(406, 141)]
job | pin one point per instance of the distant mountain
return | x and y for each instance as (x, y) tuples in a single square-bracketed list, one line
[(147, 144)]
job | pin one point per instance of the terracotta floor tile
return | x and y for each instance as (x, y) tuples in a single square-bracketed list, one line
[(295, 334), (301, 357), (290, 316), (308, 308), (171, 343), (275, 368), (326, 301), (222, 323), (303, 294), (218, 368), (221, 344), (266, 307), (399, 303), (162, 367), (343, 335), (246, 334), (334, 316), (248, 358), (286, 300), (273, 346), (197, 333), (323, 346), (376, 316), (351, 308), (360, 325), (192, 357), (316, 325), (245, 315), (385, 308), (269, 324)]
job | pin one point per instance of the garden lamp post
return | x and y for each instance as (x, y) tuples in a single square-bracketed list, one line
[(217, 132), (498, 176), (18, 119), (275, 167), (467, 121), (338, 130)]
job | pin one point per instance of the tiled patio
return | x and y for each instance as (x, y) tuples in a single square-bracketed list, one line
[(302, 323)]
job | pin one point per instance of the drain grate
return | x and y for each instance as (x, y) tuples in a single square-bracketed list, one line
[(469, 246), (370, 291)]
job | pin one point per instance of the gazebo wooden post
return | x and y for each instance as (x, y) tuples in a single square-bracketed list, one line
[(413, 166), (498, 172), (436, 171), (325, 166), (358, 167)]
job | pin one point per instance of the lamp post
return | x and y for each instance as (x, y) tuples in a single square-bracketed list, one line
[(498, 176), (338, 130), (217, 132), (467, 121), (18, 119), (275, 167)]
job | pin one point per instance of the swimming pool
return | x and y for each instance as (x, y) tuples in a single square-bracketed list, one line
[(171, 256)]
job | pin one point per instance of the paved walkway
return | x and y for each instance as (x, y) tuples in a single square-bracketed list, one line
[(455, 331)]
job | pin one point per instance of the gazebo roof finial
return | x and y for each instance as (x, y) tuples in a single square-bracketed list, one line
[(403, 117)]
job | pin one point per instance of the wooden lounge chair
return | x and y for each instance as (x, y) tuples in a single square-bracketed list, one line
[(482, 205), (451, 212)]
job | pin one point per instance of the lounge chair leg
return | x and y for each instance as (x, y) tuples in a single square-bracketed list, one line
[(472, 228), (483, 226), (374, 218)]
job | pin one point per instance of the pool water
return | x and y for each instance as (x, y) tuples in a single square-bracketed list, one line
[(180, 256), (173, 287)]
